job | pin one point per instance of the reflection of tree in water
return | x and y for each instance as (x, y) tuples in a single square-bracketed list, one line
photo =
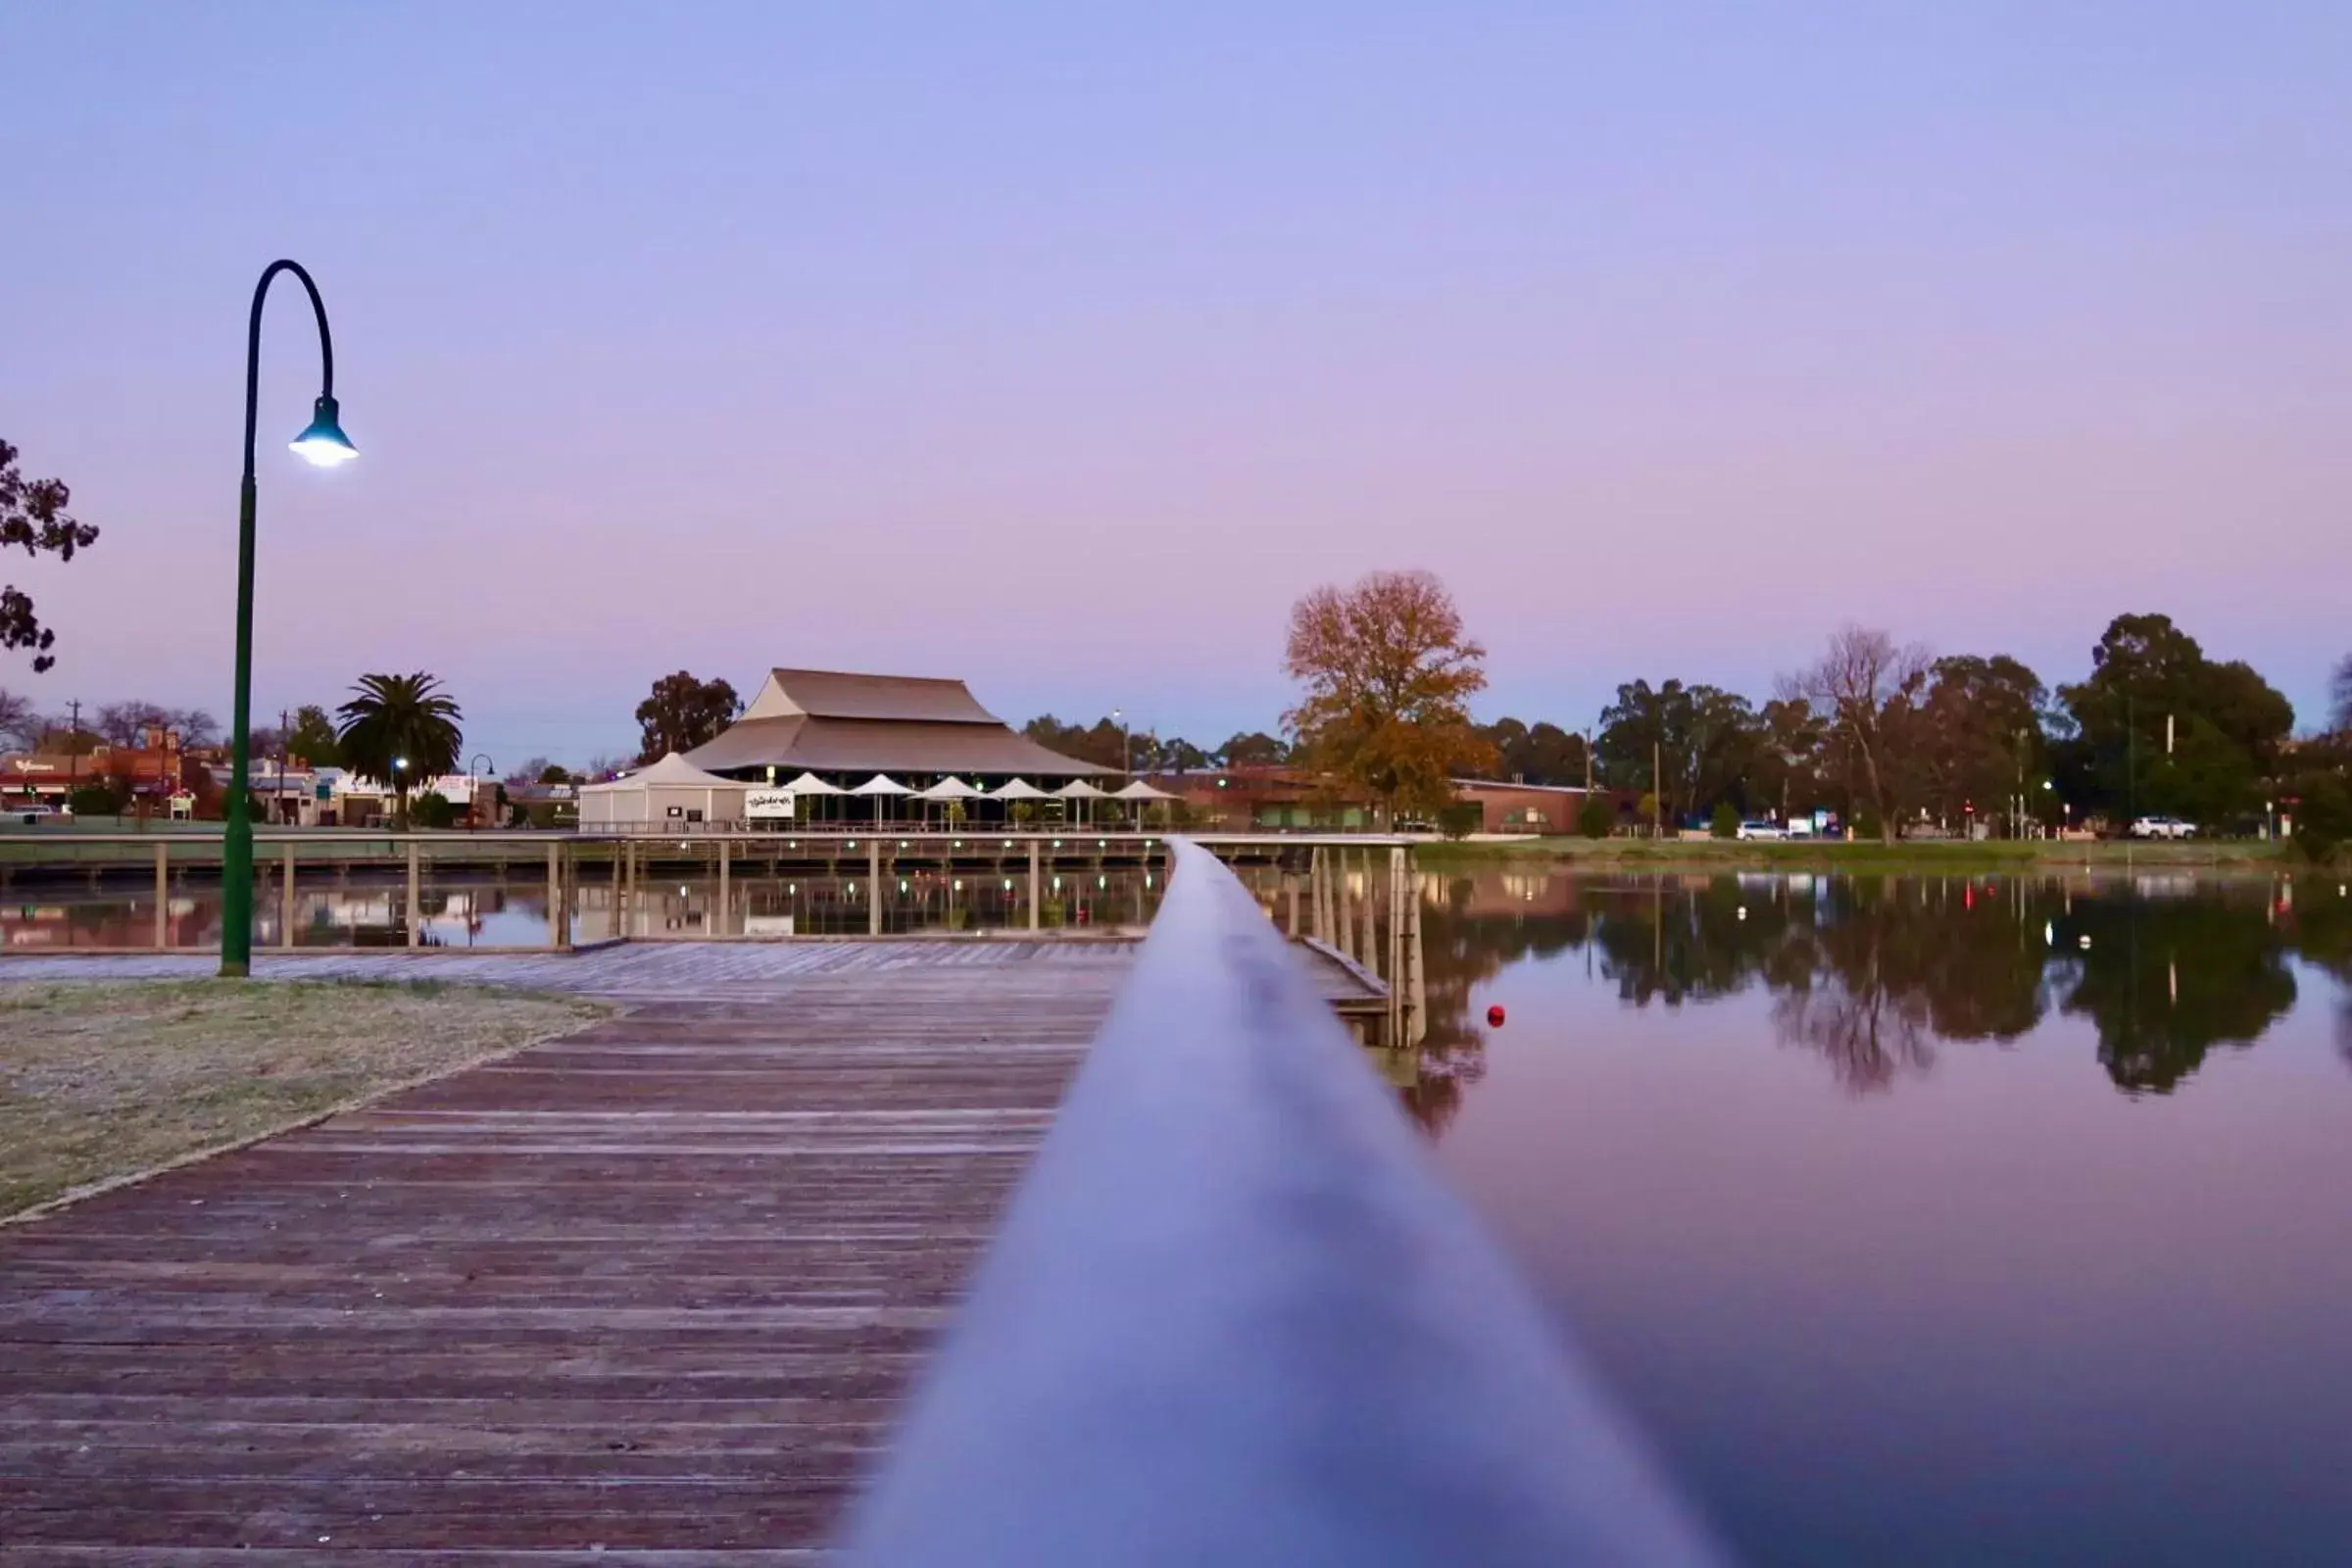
[(1893, 965), (2320, 923), (1874, 973), (1677, 943), (1462, 950), (2166, 980)]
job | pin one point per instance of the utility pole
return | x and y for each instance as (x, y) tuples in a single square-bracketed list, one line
[(281, 765), (73, 751), (1657, 790)]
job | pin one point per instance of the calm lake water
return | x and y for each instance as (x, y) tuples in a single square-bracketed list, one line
[(1932, 1221), (1922, 1221)]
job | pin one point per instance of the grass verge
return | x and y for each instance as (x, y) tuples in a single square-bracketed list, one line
[(100, 1081)]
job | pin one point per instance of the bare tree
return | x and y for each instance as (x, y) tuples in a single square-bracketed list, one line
[(19, 725), (1864, 686)]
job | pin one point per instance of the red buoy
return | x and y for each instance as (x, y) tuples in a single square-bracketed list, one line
[(1494, 1016)]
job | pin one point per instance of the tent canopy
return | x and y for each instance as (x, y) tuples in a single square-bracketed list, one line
[(1018, 789), (673, 771), (1079, 789), (1140, 791), (950, 788), (881, 784), (811, 784)]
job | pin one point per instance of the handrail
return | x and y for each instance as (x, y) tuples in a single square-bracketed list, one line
[(1234, 1316)]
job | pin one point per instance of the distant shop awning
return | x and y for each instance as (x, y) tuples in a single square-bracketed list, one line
[(1079, 789), (950, 788), (1018, 789), (1140, 791), (881, 784)]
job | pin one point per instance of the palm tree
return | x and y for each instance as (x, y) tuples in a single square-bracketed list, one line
[(405, 719)]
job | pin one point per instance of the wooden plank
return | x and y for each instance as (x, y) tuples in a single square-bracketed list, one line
[(659, 1285)]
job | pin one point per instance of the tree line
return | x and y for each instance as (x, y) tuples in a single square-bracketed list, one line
[(1887, 736)]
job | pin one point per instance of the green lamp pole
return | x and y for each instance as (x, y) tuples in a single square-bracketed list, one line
[(325, 445)]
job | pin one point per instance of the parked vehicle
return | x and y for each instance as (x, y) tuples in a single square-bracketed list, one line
[(2163, 827), (30, 813), (1762, 830)]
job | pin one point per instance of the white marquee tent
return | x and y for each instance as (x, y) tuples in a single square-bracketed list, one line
[(668, 794)]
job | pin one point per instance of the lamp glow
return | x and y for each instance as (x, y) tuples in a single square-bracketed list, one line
[(323, 444)]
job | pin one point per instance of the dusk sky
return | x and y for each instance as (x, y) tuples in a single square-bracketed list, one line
[(1061, 348)]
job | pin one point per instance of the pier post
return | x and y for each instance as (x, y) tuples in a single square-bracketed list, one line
[(874, 890), (1033, 884), (1290, 888), (555, 896), (162, 896), (1320, 889), (1343, 905), (416, 937), (285, 899), (722, 887), (1416, 988), (1368, 950)]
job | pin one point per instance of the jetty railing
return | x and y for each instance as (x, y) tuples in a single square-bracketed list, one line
[(1234, 1316)]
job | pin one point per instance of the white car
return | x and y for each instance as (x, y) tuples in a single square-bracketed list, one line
[(1762, 830), (2163, 827), (28, 814)]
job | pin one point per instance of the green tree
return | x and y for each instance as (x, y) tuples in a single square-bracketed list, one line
[(312, 737), (1979, 735), (2157, 726), (1102, 744), (404, 718), (432, 810), (1541, 753), (33, 519), (2323, 812), (681, 713), (1596, 817), (2340, 696), (1786, 772), (1703, 744), (1388, 672), (1726, 824), (1256, 749)]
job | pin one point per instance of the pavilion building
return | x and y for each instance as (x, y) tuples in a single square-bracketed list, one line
[(813, 738)]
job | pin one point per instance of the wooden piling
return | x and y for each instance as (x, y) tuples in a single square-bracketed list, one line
[(1033, 885), (285, 898), (721, 928), (874, 890), (162, 896), (415, 908), (555, 895), (1416, 986)]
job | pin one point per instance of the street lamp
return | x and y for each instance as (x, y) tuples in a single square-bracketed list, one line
[(474, 787), (322, 444)]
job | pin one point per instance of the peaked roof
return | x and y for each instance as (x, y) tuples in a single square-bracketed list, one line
[(839, 694), (673, 771), (853, 745)]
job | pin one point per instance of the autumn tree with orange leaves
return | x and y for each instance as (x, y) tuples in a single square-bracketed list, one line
[(1389, 674)]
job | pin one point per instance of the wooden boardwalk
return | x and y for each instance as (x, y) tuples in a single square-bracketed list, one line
[(649, 1294)]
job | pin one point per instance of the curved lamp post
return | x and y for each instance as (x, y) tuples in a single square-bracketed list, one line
[(473, 805), (323, 444)]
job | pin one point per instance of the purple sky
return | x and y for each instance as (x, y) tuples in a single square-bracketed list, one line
[(1061, 350)]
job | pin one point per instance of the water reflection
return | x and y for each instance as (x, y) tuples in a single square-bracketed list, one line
[(1875, 975)]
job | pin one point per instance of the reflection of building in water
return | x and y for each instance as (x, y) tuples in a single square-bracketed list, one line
[(113, 923)]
